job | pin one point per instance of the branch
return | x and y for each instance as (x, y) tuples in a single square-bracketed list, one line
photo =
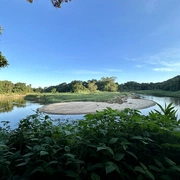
[(56, 3)]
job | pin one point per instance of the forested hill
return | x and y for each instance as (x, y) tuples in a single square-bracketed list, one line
[(172, 84)]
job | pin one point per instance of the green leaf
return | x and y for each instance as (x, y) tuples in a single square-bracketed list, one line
[(110, 150), (94, 176), (154, 168), (159, 163), (119, 156), (109, 169), (138, 137), (71, 173), (28, 154), (39, 168), (170, 162), (22, 164), (113, 140), (150, 175), (67, 149), (43, 153), (29, 147), (101, 148), (70, 155), (143, 166), (52, 162), (140, 169), (132, 154)]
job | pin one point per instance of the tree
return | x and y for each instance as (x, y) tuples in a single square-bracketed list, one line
[(53, 90), (107, 84), (92, 87), (79, 88), (3, 60), (56, 3)]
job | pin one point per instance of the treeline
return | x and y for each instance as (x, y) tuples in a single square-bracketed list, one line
[(7, 87), (172, 84), (104, 84), (90, 86)]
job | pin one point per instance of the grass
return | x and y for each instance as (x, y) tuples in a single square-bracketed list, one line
[(161, 93), (47, 98)]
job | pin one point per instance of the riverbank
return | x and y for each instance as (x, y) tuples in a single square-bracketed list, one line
[(69, 108), (160, 93)]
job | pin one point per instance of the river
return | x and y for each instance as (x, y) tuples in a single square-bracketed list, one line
[(15, 110)]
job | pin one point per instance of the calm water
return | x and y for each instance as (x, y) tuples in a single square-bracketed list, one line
[(161, 101), (15, 110)]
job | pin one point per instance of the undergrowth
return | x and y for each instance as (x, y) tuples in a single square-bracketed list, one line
[(106, 145)]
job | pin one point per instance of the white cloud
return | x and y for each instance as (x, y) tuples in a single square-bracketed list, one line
[(162, 69), (166, 59)]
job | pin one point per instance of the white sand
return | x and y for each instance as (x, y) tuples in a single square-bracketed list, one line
[(91, 107)]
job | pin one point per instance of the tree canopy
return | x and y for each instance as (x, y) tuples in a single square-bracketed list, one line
[(56, 3), (3, 60)]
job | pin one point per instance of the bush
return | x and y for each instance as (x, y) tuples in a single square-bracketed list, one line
[(106, 145)]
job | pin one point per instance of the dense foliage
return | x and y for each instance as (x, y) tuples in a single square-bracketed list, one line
[(90, 86), (3, 61), (172, 84), (7, 87), (106, 145)]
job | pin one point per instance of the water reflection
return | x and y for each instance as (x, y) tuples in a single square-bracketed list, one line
[(7, 104), (162, 101)]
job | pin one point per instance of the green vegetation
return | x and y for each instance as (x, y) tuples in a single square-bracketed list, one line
[(106, 145), (172, 84), (7, 87), (70, 97), (90, 86), (3, 60), (170, 87), (160, 93)]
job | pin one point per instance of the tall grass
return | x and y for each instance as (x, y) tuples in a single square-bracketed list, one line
[(70, 97)]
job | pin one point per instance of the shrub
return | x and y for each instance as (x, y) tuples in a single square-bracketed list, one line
[(106, 145)]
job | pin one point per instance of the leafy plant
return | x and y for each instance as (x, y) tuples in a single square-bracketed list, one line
[(106, 145)]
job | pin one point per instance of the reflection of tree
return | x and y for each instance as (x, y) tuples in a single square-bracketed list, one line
[(176, 101), (7, 104)]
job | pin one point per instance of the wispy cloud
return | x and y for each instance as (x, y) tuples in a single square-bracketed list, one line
[(86, 72), (139, 65), (165, 60), (114, 70), (162, 69)]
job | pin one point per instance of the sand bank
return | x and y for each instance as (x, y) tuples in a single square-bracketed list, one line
[(68, 108)]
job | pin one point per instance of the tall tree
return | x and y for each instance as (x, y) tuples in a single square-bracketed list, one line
[(56, 3)]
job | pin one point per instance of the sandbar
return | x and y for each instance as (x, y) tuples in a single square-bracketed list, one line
[(69, 108)]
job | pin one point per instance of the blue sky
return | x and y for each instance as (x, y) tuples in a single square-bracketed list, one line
[(133, 40)]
